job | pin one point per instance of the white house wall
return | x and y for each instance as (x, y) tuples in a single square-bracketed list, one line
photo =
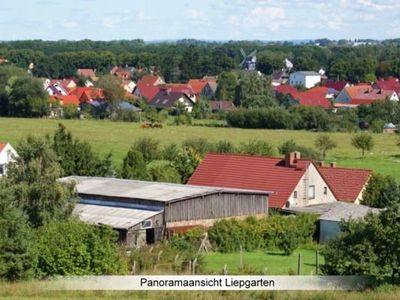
[(313, 177), (6, 156)]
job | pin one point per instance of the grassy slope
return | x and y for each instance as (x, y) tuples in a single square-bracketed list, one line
[(270, 263), (107, 136)]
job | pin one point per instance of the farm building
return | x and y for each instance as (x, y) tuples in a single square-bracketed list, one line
[(331, 214), (143, 212)]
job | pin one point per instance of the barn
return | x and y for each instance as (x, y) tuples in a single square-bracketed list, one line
[(143, 212)]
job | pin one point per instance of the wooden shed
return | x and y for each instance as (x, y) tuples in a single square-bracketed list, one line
[(144, 211)]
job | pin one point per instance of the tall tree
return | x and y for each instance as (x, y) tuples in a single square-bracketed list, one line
[(363, 141), (27, 98), (35, 188), (113, 91), (324, 143)]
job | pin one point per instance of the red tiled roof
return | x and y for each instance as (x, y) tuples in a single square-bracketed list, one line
[(313, 98), (147, 88), (286, 89), (336, 85), (2, 146), (88, 93), (178, 88), (68, 100), (390, 83), (148, 80), (346, 184), (250, 172), (90, 73), (199, 84)]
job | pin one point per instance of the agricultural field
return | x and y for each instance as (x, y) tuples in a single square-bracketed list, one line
[(106, 136)]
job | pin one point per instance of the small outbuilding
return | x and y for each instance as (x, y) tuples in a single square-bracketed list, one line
[(143, 212), (331, 214)]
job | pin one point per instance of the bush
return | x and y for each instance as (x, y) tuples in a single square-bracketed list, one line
[(201, 145), (163, 171), (75, 248), (70, 111), (257, 147), (269, 118), (148, 147), (288, 241), (183, 119), (170, 151), (126, 115), (224, 147), (276, 231)]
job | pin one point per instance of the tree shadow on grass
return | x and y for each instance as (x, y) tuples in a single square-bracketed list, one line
[(276, 253)]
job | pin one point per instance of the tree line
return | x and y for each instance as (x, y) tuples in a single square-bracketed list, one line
[(186, 59)]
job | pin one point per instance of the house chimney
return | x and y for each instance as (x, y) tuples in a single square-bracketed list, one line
[(320, 164), (333, 164), (289, 159), (297, 156)]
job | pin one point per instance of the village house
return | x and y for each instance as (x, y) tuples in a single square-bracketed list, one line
[(204, 87), (347, 184), (143, 212), (87, 73), (122, 73), (391, 84), (174, 94), (308, 79), (363, 94), (293, 181), (7, 155), (148, 86), (316, 96)]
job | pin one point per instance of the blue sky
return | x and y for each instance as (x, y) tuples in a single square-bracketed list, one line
[(201, 19)]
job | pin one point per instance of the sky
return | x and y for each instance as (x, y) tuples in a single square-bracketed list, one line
[(199, 19)]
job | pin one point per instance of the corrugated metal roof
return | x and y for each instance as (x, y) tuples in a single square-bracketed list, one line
[(116, 217), (335, 211), (146, 190)]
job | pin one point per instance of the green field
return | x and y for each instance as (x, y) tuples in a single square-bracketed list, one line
[(269, 262), (117, 137)]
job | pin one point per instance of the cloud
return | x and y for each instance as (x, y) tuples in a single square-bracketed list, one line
[(109, 22), (335, 23), (195, 14), (272, 18), (68, 24), (372, 5)]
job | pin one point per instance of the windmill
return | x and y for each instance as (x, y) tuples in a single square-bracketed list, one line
[(288, 65), (249, 61)]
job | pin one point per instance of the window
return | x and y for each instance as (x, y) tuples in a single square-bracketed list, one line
[(146, 224), (1, 169), (311, 192), (325, 190), (295, 194)]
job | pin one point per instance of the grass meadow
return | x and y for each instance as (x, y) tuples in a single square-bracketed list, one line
[(106, 136), (263, 262)]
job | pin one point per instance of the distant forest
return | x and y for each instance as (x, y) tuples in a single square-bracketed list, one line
[(181, 60)]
